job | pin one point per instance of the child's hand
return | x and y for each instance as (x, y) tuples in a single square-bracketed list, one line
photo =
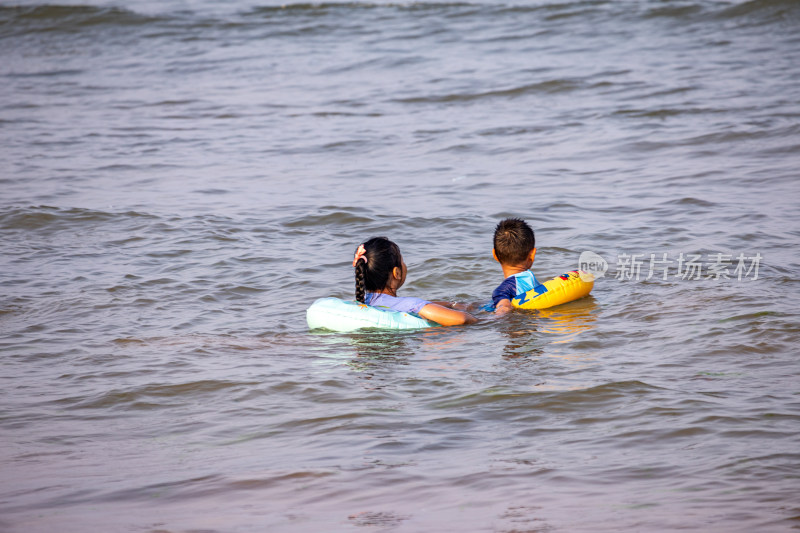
[(503, 307)]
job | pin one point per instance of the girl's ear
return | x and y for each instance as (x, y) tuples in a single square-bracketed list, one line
[(397, 272)]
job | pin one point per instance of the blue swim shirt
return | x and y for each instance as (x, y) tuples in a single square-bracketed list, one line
[(515, 285), (406, 304)]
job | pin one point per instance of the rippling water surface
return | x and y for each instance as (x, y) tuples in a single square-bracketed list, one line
[(181, 179)]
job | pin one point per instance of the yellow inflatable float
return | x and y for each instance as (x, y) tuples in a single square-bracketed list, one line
[(559, 290)]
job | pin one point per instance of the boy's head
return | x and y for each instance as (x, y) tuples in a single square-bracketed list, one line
[(513, 241)]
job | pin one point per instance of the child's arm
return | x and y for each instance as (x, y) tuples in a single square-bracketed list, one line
[(453, 305), (503, 306), (445, 316), (502, 295)]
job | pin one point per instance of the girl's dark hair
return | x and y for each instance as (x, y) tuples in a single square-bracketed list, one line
[(382, 256)]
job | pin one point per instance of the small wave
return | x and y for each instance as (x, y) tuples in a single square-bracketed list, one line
[(153, 396), (681, 11), (546, 87), (457, 9), (75, 18), (45, 73), (512, 131), (55, 218), (334, 218), (553, 10), (56, 18), (688, 201), (667, 112), (321, 7), (754, 316), (546, 400), (766, 10), (193, 488)]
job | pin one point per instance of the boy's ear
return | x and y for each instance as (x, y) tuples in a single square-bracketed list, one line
[(494, 254), (533, 254)]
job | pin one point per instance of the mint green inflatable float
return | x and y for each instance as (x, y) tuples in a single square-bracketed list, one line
[(345, 315)]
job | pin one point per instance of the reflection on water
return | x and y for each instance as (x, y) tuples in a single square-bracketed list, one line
[(521, 339), (569, 320), (528, 331), (379, 349)]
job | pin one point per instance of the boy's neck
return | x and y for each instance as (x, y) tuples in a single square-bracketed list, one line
[(510, 270)]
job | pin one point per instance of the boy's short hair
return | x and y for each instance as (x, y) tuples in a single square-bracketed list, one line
[(513, 241)]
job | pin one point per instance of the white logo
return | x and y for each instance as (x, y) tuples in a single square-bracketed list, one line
[(591, 266)]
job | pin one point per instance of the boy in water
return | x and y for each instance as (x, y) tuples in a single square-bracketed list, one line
[(515, 249)]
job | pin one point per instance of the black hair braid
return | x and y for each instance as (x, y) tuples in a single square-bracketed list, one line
[(372, 273), (361, 290)]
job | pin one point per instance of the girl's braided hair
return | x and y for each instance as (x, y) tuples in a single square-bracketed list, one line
[(373, 269)]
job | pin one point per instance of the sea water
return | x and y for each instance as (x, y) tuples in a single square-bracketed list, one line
[(181, 179)]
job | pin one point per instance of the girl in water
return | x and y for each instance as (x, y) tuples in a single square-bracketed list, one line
[(380, 271)]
